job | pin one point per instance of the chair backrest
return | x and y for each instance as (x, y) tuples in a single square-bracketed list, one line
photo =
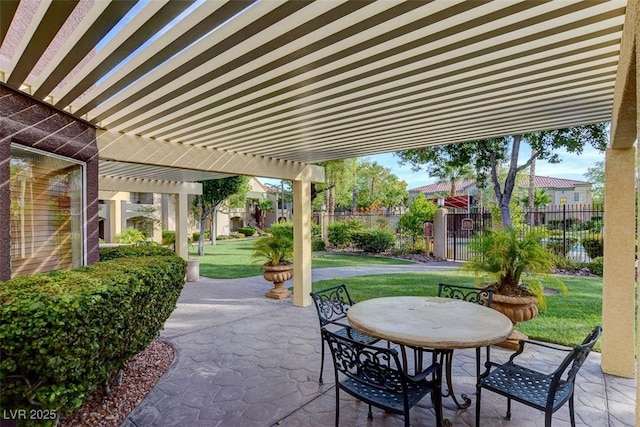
[(576, 358), (467, 293), (332, 304), (374, 366)]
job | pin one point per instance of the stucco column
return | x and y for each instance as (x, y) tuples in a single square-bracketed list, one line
[(115, 219), (182, 248), (618, 290), (301, 243), (440, 233)]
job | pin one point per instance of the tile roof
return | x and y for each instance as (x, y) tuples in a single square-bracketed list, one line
[(539, 182)]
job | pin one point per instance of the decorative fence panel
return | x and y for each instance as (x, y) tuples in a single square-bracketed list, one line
[(573, 231)]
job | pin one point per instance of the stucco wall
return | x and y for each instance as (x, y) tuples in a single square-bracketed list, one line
[(26, 121)]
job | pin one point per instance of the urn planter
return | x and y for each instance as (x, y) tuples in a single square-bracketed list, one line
[(517, 309), (278, 274)]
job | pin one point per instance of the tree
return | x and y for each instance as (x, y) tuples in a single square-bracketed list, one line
[(487, 155), (214, 193), (452, 174), (420, 211), (595, 176), (540, 198), (263, 207)]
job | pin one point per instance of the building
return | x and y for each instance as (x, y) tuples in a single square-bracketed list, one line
[(562, 191)]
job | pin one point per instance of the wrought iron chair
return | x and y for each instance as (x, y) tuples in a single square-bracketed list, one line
[(474, 295), (332, 305), (375, 376), (546, 392)]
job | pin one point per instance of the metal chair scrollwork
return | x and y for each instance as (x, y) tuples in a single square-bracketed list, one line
[(546, 392), (375, 376), (332, 305)]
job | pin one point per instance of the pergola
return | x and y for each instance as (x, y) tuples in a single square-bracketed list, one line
[(185, 90)]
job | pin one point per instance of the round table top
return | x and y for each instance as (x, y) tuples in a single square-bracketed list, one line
[(430, 322)]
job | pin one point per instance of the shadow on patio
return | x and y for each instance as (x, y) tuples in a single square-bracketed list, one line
[(244, 360)]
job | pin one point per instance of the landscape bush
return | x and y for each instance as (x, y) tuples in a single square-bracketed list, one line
[(339, 232), (594, 246), (64, 333), (168, 237), (596, 266), (247, 231), (373, 241), (131, 235)]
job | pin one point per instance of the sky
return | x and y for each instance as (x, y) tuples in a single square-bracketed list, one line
[(571, 167)]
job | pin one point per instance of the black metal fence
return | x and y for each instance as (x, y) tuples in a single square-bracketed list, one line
[(569, 231)]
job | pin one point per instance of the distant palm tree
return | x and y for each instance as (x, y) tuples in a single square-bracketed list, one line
[(540, 198), (453, 174)]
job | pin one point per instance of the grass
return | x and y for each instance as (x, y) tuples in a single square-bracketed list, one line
[(232, 259), (566, 321)]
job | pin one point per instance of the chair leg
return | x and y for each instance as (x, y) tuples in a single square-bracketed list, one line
[(370, 415), (508, 409), (547, 418), (478, 389), (337, 406), (321, 363), (572, 414), (477, 365)]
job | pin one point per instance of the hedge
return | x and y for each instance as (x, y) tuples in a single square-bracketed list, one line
[(107, 254), (63, 333), (247, 231), (373, 241)]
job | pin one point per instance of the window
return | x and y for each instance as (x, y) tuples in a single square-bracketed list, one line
[(47, 212), (576, 197)]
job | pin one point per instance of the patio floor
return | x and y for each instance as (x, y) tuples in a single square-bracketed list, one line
[(245, 360)]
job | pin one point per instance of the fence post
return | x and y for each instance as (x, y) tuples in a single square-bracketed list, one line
[(440, 233)]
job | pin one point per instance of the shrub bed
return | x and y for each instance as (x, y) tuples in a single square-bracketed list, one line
[(62, 334)]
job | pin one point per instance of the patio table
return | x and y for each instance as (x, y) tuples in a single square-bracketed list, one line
[(431, 323)]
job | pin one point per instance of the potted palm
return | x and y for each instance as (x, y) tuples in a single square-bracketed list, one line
[(275, 250), (513, 265)]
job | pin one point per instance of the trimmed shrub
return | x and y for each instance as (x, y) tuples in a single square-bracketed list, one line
[(339, 232), (63, 333), (374, 241), (594, 246), (596, 266), (317, 244), (196, 235), (107, 254), (247, 231), (168, 237), (239, 236)]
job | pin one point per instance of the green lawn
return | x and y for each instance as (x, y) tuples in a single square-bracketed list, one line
[(231, 259), (566, 321)]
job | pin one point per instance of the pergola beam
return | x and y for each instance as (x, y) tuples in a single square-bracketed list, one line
[(136, 149)]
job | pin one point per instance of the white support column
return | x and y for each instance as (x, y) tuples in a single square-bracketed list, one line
[(618, 294), (301, 243), (182, 248), (115, 217)]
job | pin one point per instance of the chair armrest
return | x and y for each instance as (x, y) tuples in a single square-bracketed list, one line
[(424, 374), (537, 343)]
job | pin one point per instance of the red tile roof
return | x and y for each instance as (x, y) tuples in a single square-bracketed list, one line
[(539, 182)]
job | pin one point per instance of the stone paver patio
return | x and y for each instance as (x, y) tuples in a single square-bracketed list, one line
[(245, 360)]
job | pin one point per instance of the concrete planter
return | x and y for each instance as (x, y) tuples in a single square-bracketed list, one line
[(193, 270), (278, 274)]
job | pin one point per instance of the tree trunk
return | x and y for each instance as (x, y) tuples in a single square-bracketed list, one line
[(214, 226), (532, 190), (201, 238)]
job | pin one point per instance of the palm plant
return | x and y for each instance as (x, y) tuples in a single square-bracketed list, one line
[(515, 262), (276, 248)]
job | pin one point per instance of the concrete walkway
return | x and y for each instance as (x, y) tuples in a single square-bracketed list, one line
[(245, 360)]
